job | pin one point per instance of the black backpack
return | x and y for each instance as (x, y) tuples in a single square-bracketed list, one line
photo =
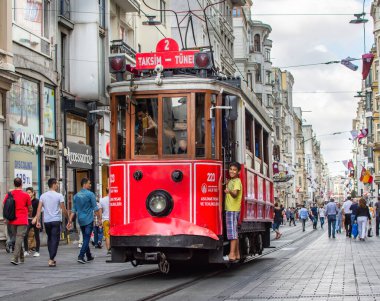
[(9, 210)]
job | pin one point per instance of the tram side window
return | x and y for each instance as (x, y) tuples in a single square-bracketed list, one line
[(248, 132), (266, 147), (121, 128), (146, 132), (174, 134), (200, 125), (258, 130)]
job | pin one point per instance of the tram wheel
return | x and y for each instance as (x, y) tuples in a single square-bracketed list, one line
[(259, 242)]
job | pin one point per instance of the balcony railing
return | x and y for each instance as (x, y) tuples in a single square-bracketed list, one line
[(30, 40), (119, 46)]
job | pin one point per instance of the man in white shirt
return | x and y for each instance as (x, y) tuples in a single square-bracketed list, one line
[(105, 211), (347, 216)]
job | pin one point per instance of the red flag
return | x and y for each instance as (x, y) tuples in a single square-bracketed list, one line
[(367, 62), (363, 133), (350, 165), (362, 174)]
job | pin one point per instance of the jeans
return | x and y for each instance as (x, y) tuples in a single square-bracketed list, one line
[(338, 225), (36, 236), (53, 231), (348, 224), (362, 226), (377, 225), (86, 232), (98, 235), (322, 220), (331, 219), (19, 231), (303, 220), (11, 236)]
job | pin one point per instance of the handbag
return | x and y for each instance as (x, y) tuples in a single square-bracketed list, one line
[(369, 234)]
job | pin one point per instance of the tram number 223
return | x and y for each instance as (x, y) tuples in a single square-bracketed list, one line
[(210, 177)]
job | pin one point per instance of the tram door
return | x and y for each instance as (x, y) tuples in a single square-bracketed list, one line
[(229, 118)]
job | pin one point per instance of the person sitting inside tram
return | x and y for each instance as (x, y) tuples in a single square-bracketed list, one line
[(146, 133), (182, 147)]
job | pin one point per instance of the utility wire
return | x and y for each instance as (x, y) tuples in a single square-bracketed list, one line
[(314, 64)]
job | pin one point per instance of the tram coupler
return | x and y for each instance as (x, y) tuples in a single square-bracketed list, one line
[(163, 265)]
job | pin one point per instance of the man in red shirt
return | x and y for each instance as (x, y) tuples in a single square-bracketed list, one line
[(19, 225)]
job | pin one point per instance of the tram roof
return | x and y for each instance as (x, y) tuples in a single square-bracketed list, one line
[(187, 83)]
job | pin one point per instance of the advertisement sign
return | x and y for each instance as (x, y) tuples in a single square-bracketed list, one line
[(208, 204), (26, 175), (49, 113), (117, 194), (79, 155), (24, 107)]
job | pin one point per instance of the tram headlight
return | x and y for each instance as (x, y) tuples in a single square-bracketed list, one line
[(159, 203)]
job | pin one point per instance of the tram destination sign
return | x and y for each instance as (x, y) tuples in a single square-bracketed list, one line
[(168, 55)]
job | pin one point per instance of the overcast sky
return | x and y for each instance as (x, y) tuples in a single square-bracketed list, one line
[(320, 32)]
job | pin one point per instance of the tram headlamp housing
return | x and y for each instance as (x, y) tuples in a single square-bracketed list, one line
[(159, 203)]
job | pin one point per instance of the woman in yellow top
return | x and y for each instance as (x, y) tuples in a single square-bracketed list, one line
[(233, 193)]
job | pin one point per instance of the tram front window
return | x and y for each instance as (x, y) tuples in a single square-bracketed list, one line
[(146, 142), (174, 134)]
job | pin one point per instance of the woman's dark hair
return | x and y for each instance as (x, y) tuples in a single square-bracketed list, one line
[(276, 204), (235, 164), (362, 203)]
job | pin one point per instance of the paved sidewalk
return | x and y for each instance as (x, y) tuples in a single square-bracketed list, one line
[(327, 269)]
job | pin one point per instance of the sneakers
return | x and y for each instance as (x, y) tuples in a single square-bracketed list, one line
[(90, 258), (26, 253), (14, 261), (79, 245), (7, 248), (81, 260), (36, 254), (109, 253)]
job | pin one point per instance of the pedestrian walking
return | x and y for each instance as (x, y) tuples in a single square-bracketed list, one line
[(287, 213), (377, 214), (304, 214), (354, 208), (362, 217), (339, 219), (54, 205), (322, 215), (84, 206), (331, 212), (233, 191), (277, 220), (105, 212), (18, 226), (314, 213), (347, 215), (98, 231), (282, 214), (36, 231), (292, 216)]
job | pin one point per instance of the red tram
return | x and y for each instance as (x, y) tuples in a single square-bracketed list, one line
[(174, 131)]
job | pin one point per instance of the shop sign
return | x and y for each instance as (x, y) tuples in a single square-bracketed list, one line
[(24, 171), (22, 138), (79, 156)]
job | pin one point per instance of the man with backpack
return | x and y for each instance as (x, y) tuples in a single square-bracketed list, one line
[(19, 221)]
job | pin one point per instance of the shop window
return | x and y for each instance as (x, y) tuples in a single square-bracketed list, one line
[(146, 131), (49, 112), (174, 133), (24, 103), (200, 125)]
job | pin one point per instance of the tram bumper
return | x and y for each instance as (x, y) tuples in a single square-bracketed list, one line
[(163, 233)]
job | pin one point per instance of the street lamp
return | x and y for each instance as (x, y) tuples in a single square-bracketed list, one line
[(335, 133)]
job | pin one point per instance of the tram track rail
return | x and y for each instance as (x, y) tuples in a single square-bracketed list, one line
[(177, 287)]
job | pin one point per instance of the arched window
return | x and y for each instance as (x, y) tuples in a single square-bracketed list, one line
[(256, 43)]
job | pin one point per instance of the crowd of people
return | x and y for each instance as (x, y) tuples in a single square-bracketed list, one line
[(354, 216), (31, 213)]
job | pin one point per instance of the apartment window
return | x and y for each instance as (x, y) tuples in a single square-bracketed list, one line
[(377, 132), (299, 181), (277, 132), (64, 8), (258, 74), (162, 12), (268, 77), (102, 76), (267, 55), (376, 77), (257, 43), (278, 112), (249, 81), (64, 63)]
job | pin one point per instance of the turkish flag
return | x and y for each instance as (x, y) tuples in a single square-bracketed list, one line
[(367, 62)]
